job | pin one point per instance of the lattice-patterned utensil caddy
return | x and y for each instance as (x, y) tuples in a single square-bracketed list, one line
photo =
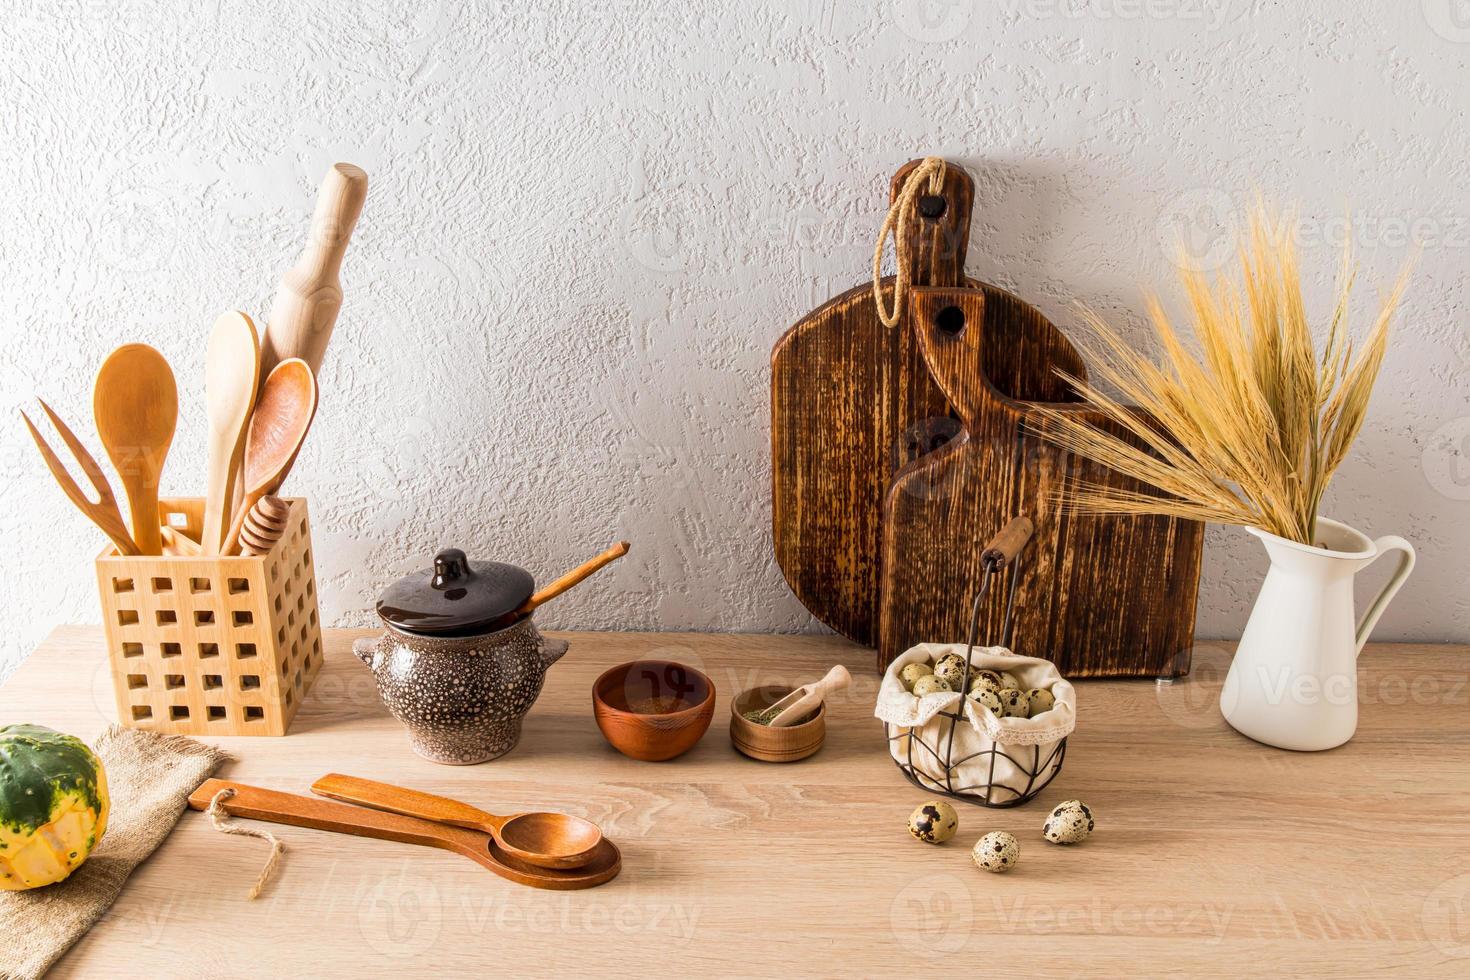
[(212, 645)]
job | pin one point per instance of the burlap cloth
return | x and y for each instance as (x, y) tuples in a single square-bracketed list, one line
[(149, 779)]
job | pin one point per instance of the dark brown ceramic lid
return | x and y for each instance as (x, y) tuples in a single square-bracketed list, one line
[(457, 597)]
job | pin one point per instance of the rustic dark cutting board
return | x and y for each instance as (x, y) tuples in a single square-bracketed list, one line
[(1099, 595), (853, 402)]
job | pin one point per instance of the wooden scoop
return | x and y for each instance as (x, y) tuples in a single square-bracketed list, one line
[(255, 803), (136, 405), (546, 840), (804, 700), (231, 377), (282, 415)]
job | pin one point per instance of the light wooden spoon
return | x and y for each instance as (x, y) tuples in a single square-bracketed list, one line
[(136, 404), (231, 377), (282, 415)]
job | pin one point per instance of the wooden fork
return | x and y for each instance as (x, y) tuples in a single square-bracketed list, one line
[(104, 511)]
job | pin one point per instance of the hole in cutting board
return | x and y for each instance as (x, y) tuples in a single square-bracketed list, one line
[(932, 205), (950, 321)]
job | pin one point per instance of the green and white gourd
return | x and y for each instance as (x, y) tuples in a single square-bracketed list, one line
[(53, 805)]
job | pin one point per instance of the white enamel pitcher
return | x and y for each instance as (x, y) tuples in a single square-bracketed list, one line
[(1294, 680)]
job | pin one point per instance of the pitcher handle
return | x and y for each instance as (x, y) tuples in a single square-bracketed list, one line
[(1384, 545)]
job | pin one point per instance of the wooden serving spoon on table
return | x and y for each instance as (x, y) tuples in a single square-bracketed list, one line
[(544, 839), (255, 803), (102, 512), (800, 702), (136, 405), (282, 416), (231, 377)]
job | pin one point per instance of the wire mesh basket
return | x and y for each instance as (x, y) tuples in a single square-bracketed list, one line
[(996, 774)]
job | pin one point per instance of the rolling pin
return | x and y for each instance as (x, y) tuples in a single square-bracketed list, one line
[(310, 294)]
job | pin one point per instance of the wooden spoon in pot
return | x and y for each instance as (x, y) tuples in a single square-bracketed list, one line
[(136, 404), (544, 839), (231, 377), (283, 413)]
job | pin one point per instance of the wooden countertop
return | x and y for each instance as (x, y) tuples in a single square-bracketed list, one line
[(1212, 854)]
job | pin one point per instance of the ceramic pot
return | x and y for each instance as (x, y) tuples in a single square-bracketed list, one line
[(461, 698), (1294, 680)]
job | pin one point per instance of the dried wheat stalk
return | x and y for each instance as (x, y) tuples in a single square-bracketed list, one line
[(1249, 431)]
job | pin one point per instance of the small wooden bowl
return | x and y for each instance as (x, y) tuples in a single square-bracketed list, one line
[(769, 744), (653, 737)]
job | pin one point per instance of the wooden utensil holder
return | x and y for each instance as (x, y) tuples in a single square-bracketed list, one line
[(212, 645)]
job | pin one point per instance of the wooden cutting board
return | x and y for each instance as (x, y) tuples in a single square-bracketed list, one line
[(1100, 595), (853, 402)]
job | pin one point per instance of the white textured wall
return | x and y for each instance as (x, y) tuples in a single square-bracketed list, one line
[(589, 222)]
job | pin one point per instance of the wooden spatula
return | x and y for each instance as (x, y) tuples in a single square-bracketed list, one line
[(136, 405), (282, 416), (231, 377)]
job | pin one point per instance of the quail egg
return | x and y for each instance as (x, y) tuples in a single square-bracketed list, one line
[(985, 680), (934, 822), (1014, 703), (989, 699), (1009, 681), (911, 674), (1068, 823), (997, 851), (1041, 700), (951, 670), (929, 684)]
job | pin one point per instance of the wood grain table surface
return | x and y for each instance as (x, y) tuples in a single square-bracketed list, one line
[(1212, 855)]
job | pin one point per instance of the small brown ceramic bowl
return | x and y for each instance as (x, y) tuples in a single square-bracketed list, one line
[(769, 744), (653, 709)]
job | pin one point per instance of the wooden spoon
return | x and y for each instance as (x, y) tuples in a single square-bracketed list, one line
[(804, 700), (231, 377), (136, 405), (572, 578), (282, 415), (255, 803), (543, 839)]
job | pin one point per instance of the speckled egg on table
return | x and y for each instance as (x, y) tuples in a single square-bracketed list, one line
[(1068, 823), (997, 851), (934, 822)]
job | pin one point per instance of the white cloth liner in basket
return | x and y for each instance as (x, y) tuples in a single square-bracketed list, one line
[(1026, 743)]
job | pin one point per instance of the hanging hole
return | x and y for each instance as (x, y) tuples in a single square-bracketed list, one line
[(932, 205), (950, 321)]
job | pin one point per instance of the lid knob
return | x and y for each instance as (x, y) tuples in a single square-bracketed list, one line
[(450, 565)]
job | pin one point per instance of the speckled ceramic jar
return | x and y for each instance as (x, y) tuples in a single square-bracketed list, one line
[(462, 698)]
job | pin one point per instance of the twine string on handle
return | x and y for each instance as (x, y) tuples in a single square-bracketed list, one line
[(896, 224), (219, 818)]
